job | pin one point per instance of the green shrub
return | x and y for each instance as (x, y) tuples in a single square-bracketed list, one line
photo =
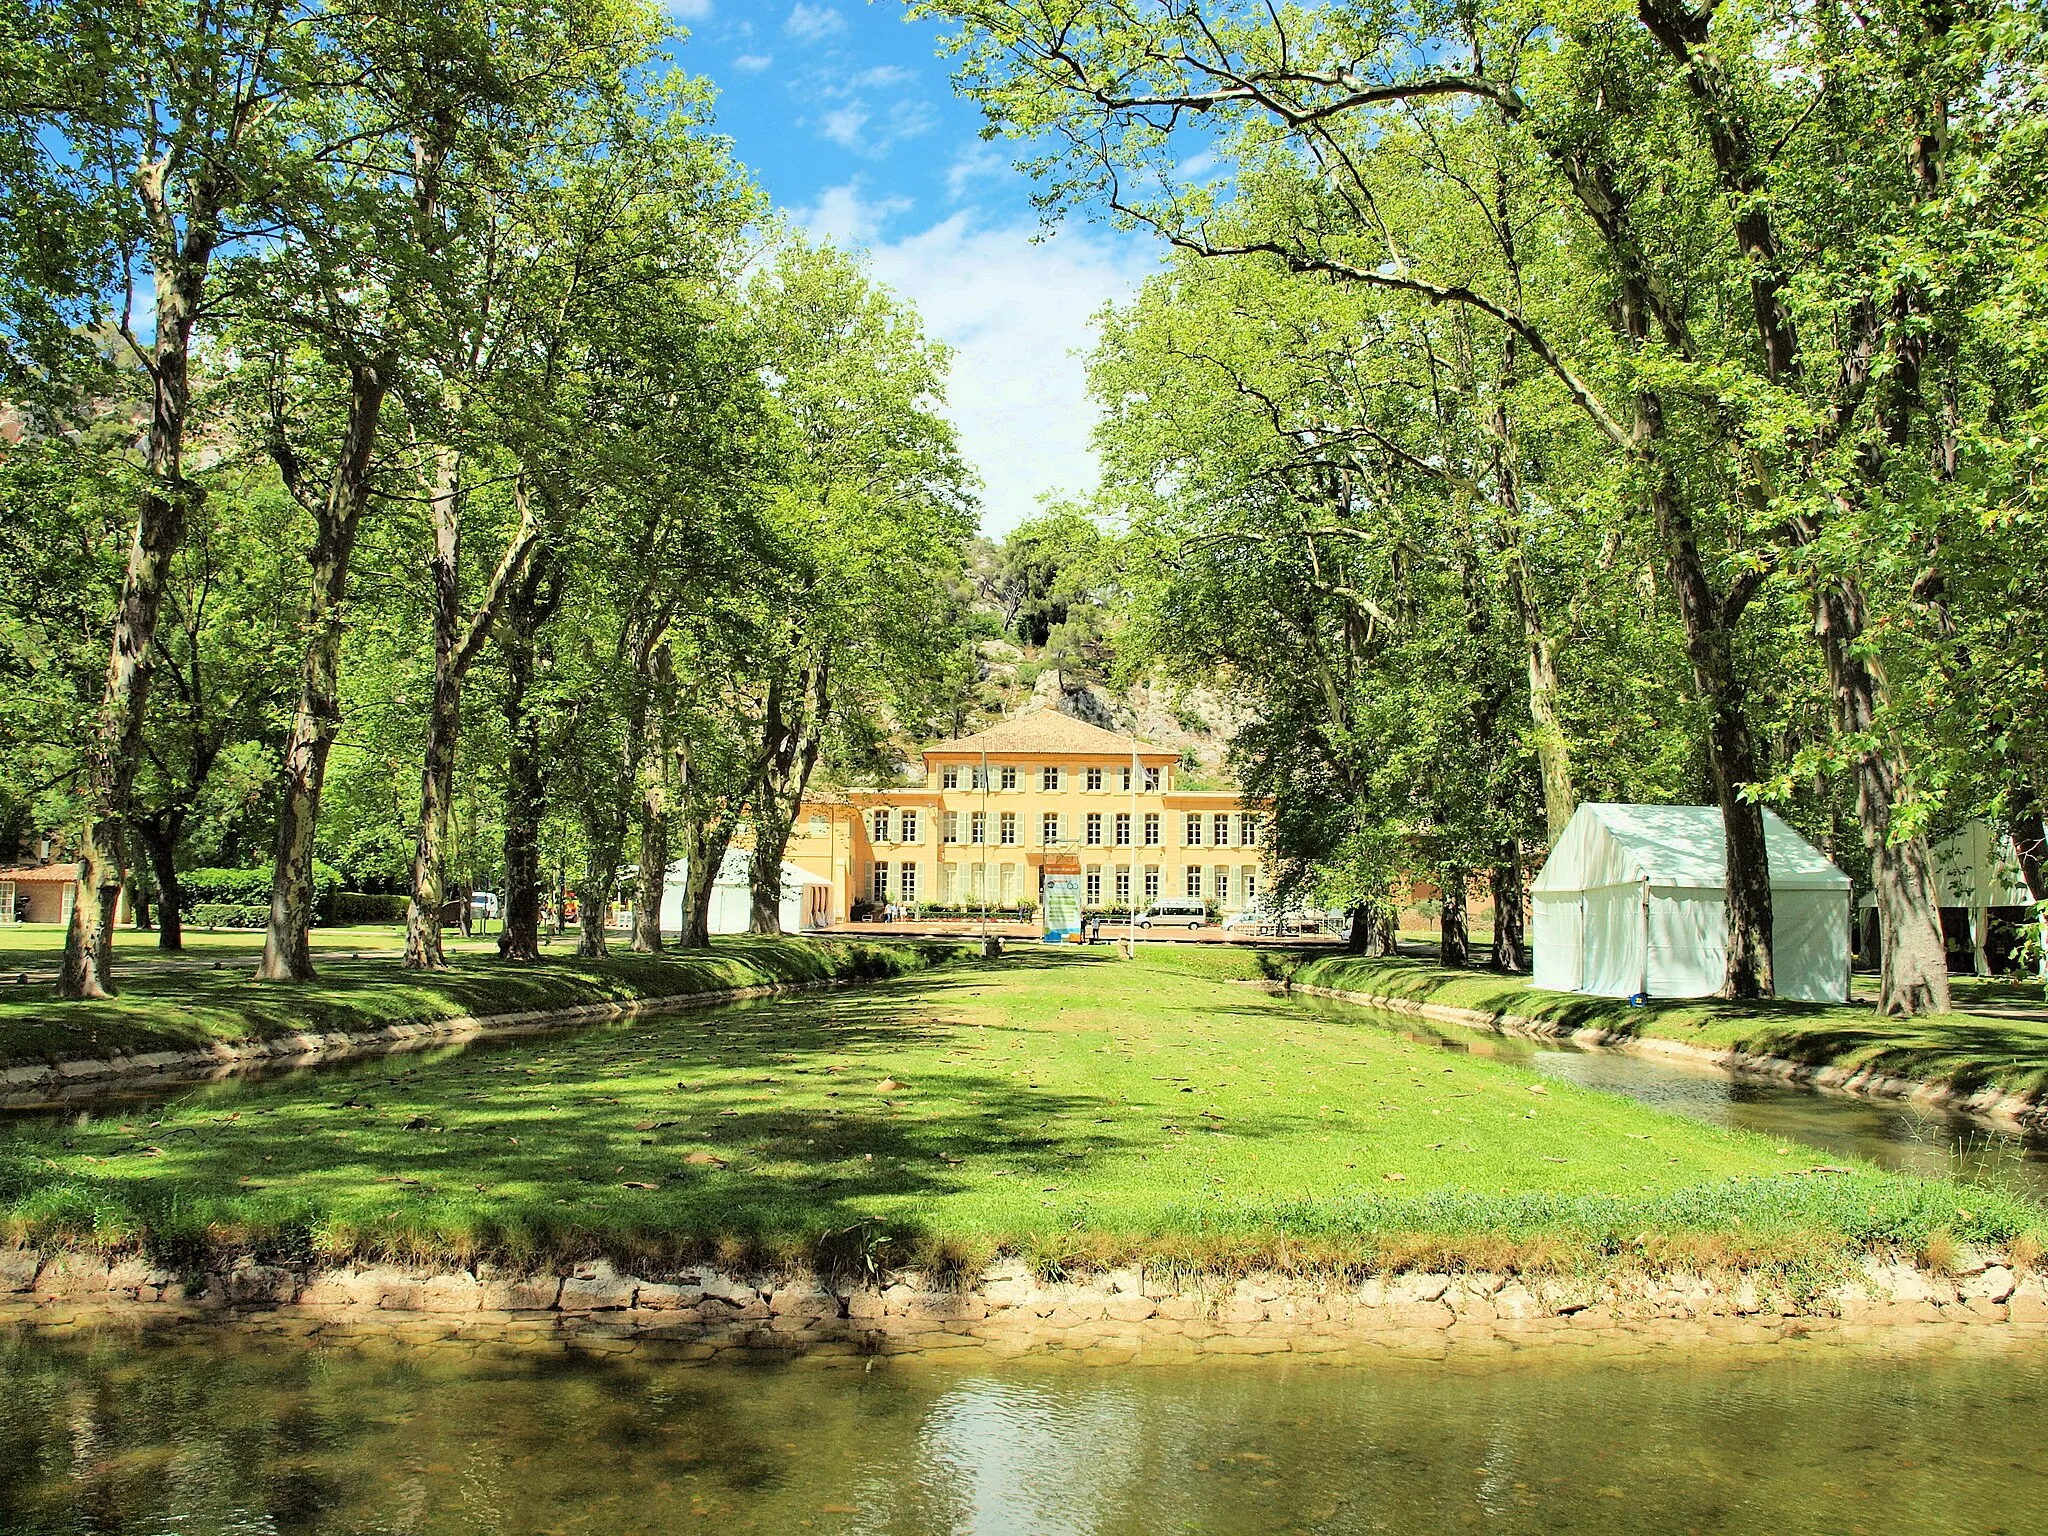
[(362, 907), (224, 914), (251, 887)]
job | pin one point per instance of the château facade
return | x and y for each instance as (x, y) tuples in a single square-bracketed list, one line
[(1038, 794)]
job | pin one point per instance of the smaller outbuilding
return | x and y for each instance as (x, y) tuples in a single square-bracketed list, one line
[(806, 898), (1986, 907), (1634, 899)]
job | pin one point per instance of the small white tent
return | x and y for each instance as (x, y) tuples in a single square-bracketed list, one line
[(1977, 868), (806, 898), (1633, 898)]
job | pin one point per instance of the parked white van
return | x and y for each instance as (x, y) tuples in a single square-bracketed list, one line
[(1182, 913)]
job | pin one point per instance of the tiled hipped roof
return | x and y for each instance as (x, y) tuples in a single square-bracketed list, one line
[(41, 874), (1047, 731)]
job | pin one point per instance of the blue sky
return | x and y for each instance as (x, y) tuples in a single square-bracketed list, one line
[(845, 113)]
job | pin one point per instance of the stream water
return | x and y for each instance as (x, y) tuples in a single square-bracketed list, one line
[(235, 1435)]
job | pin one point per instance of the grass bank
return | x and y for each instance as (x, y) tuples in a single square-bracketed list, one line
[(1076, 1110), (184, 1009), (1967, 1052)]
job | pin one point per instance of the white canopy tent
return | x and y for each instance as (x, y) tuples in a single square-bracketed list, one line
[(806, 898), (1977, 868), (1633, 898)]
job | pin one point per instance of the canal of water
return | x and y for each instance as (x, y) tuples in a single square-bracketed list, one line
[(234, 1434)]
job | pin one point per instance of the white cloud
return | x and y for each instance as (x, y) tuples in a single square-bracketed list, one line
[(845, 216), (813, 23), (752, 63), (881, 76), (688, 10), (1019, 316), (842, 125), (971, 165)]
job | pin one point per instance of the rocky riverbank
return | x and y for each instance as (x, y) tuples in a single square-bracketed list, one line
[(1121, 1317)]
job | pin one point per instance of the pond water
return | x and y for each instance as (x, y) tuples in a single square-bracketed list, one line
[(1891, 1133), (230, 1434)]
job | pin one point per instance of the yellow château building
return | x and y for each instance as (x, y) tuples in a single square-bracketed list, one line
[(1041, 794)]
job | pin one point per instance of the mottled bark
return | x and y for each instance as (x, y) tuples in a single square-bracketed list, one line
[(705, 840), (1510, 910), (594, 896), (287, 950), (115, 748), (530, 602), (793, 734), (1371, 932), (656, 794), (1553, 751), (1454, 935), (458, 641)]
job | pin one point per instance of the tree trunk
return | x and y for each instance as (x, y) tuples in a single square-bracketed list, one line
[(1371, 933), (792, 752), (1731, 754), (162, 842), (1510, 919), (654, 855), (116, 744), (1553, 751), (593, 903), (287, 948), (531, 601), (1913, 956), (1454, 946), (705, 840)]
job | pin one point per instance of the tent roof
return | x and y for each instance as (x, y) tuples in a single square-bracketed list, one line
[(738, 869), (1673, 845)]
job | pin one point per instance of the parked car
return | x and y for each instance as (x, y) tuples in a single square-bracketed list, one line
[(1179, 913), (1273, 921)]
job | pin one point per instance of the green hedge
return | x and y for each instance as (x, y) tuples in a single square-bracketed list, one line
[(224, 914), (251, 888), (363, 907)]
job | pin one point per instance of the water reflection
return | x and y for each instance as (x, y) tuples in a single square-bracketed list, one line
[(1894, 1134), (161, 1436)]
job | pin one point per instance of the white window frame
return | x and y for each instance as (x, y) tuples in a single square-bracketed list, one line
[(1152, 830), (949, 776), (1007, 830), (1007, 776), (977, 828), (1151, 882), (1123, 885), (879, 882), (1191, 880), (1247, 830), (1094, 779), (906, 882), (1048, 828), (1219, 830), (1191, 829), (1092, 830), (1049, 780), (1123, 829), (1221, 882), (878, 824), (1152, 781), (906, 823)]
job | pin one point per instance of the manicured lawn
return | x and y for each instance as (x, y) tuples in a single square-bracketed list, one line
[(39, 947), (1963, 1049), (182, 1009), (1070, 1107)]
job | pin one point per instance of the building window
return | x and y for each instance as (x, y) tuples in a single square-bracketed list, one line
[(819, 827), (978, 778), (1247, 830), (906, 883), (1151, 781), (1009, 888), (949, 777), (1095, 778), (1049, 828), (1248, 884), (949, 826), (1222, 882), (977, 827), (1009, 829), (1221, 828), (1125, 779), (907, 826), (1151, 882), (975, 890), (1123, 830), (1095, 885), (881, 825), (1048, 778), (1009, 776), (881, 886), (1194, 829), (1123, 886), (1194, 880), (1094, 829), (1152, 830)]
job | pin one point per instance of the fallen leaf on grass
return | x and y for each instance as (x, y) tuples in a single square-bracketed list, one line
[(888, 1085), (636, 1184), (703, 1158), (1538, 1088), (1394, 1178)]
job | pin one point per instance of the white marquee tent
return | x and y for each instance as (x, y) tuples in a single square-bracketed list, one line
[(1977, 868), (1634, 899), (806, 898)]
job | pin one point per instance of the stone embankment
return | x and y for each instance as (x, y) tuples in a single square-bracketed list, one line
[(1122, 1316)]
